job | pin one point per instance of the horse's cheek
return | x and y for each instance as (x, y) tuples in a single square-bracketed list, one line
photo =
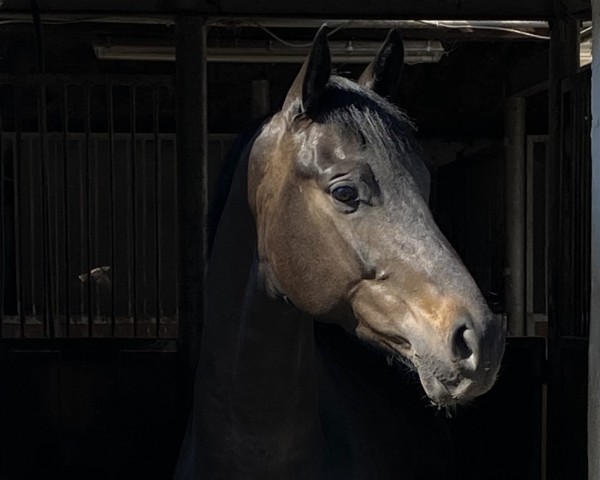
[(312, 254)]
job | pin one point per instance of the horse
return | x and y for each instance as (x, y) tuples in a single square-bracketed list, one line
[(325, 254)]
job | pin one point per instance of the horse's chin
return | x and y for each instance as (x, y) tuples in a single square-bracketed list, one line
[(443, 383), (444, 395)]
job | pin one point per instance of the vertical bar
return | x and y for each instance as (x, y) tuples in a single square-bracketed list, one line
[(564, 42), (175, 189), (54, 221), (594, 345), (111, 147), (568, 201), (582, 198), (88, 221), (17, 157), (157, 195), (48, 310), (82, 226), (192, 183), (95, 245), (514, 134), (587, 261), (133, 204), (65, 172), (144, 238), (33, 226), (529, 237), (586, 178), (578, 194), (3, 248)]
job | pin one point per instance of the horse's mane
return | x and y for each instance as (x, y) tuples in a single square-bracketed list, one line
[(344, 101), (376, 122)]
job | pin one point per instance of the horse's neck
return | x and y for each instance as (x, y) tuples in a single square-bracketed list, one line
[(256, 394)]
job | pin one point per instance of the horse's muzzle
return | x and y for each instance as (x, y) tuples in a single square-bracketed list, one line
[(469, 370)]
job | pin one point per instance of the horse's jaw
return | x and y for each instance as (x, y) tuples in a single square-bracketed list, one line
[(456, 361)]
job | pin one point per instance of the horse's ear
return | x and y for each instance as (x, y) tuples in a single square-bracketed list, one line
[(384, 73), (306, 90)]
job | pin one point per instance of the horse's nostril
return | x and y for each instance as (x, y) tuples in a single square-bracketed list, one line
[(460, 344)]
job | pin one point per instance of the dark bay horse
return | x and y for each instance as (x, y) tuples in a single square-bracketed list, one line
[(327, 220)]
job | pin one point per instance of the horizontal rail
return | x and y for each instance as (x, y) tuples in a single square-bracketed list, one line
[(75, 79)]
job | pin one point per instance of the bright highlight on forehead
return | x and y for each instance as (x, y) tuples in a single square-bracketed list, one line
[(339, 152)]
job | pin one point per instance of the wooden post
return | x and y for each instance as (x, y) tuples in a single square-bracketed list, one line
[(564, 61), (514, 135), (191, 183), (594, 345)]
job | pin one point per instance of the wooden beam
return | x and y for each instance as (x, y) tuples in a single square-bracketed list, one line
[(594, 342), (564, 61), (411, 9), (191, 182)]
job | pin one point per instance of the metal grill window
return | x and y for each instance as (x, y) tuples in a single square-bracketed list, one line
[(88, 207)]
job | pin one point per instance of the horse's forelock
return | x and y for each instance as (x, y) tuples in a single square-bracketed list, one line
[(377, 122)]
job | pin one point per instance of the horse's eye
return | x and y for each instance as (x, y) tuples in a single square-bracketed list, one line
[(345, 194)]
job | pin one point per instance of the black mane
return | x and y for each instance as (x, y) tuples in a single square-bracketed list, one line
[(377, 122), (345, 101)]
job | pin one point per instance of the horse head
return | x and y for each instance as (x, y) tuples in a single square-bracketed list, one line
[(339, 192)]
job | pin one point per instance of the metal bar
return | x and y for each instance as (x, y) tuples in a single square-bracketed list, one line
[(33, 226), (3, 248), (82, 230), (175, 186), (514, 116), (87, 190), (572, 210), (17, 156), (85, 346), (283, 22), (133, 204), (48, 311), (97, 167), (416, 51), (582, 198), (144, 229), (157, 206), (95, 170), (66, 210), (55, 196), (271, 22), (111, 147), (80, 79)]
